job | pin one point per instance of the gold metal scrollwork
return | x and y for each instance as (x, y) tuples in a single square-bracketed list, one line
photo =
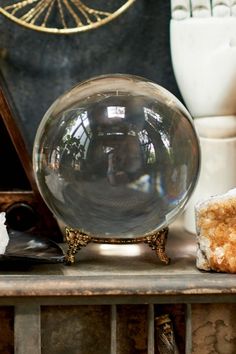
[(76, 240), (70, 16)]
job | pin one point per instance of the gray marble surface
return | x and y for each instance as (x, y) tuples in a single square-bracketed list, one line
[(123, 270)]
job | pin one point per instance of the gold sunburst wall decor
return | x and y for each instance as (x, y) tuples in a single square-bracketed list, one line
[(63, 16)]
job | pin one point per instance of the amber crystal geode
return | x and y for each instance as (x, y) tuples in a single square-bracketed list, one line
[(216, 233), (116, 156)]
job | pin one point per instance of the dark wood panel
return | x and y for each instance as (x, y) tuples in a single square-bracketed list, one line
[(132, 329), (7, 330), (45, 222)]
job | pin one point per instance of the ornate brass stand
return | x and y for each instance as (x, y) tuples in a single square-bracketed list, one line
[(76, 240)]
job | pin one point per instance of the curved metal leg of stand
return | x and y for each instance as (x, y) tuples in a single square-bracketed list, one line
[(157, 242), (75, 240)]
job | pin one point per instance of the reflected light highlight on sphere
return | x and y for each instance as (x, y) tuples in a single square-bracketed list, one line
[(116, 156)]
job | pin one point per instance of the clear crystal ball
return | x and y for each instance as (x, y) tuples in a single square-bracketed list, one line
[(116, 156)]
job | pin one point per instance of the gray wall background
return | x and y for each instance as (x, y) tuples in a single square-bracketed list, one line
[(38, 67)]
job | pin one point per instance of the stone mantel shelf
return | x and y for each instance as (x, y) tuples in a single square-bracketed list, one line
[(107, 271)]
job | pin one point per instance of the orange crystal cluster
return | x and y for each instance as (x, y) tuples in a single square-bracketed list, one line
[(216, 234)]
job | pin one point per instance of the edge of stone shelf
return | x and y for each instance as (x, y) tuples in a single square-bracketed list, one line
[(126, 270)]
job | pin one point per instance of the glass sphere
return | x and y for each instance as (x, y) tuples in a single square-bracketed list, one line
[(116, 156)]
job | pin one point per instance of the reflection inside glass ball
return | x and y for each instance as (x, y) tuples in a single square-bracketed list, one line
[(117, 156)]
